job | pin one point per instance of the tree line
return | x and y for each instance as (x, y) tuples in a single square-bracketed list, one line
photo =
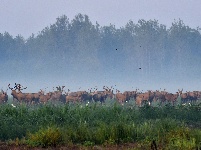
[(78, 45)]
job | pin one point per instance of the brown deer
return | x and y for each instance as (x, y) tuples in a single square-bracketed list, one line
[(17, 94), (3, 97)]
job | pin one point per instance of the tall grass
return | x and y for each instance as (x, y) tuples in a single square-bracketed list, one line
[(108, 123)]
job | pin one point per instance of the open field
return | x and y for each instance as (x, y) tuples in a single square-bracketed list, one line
[(101, 126)]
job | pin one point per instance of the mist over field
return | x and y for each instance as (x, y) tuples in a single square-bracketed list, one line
[(82, 55)]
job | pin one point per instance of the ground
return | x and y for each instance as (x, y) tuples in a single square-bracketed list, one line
[(5, 146)]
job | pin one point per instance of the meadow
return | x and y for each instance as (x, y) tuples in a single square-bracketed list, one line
[(94, 124)]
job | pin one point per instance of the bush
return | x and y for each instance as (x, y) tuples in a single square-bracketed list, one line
[(180, 138), (45, 137)]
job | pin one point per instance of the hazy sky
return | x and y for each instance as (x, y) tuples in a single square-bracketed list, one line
[(31, 16)]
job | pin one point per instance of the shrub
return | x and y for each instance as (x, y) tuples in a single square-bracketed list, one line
[(180, 139), (45, 137)]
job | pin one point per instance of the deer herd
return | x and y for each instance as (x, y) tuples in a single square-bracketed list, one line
[(98, 96)]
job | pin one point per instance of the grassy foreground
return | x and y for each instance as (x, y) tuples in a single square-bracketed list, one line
[(52, 125)]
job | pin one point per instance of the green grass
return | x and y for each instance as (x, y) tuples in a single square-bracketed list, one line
[(177, 127)]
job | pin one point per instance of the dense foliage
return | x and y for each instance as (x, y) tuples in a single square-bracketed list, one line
[(94, 123)]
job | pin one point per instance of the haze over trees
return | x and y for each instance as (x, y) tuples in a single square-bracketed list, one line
[(77, 48)]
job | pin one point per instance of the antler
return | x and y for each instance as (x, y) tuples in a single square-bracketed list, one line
[(59, 88), (62, 88), (20, 87), (16, 86), (9, 86)]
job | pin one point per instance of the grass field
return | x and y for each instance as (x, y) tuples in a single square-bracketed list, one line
[(89, 125)]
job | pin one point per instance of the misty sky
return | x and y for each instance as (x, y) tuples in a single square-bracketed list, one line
[(25, 17)]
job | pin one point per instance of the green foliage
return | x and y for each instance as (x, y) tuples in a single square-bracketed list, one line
[(88, 143), (50, 136), (93, 124), (180, 139)]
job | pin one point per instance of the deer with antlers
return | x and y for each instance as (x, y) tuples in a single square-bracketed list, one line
[(17, 94), (58, 94)]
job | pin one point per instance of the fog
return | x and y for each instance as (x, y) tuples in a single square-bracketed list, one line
[(81, 55)]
